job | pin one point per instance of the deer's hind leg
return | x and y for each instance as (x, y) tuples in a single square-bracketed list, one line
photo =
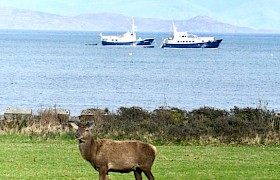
[(149, 174), (137, 174)]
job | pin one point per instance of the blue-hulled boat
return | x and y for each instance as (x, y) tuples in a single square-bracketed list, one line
[(128, 38), (185, 40)]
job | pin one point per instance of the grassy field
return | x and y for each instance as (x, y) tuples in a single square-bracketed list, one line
[(26, 158)]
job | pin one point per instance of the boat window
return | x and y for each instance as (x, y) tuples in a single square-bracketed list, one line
[(202, 40), (192, 41), (178, 41)]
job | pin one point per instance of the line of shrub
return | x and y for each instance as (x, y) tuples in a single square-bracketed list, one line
[(206, 125)]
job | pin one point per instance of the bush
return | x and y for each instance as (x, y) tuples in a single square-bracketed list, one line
[(172, 125)]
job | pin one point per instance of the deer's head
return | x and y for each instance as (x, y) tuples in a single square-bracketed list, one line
[(83, 131)]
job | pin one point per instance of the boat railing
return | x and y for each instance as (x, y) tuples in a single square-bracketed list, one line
[(192, 35)]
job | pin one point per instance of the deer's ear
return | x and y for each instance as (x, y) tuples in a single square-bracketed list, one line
[(74, 126)]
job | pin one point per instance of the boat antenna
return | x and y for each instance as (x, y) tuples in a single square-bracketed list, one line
[(133, 27)]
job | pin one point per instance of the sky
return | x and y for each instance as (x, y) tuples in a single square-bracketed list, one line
[(258, 14)]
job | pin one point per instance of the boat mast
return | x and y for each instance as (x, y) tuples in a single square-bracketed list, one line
[(133, 27), (174, 29)]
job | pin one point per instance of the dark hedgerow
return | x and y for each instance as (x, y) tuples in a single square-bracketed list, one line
[(165, 125)]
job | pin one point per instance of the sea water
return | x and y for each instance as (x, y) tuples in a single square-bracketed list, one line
[(67, 70)]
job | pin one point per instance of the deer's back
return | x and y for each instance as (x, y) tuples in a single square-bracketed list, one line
[(120, 155)]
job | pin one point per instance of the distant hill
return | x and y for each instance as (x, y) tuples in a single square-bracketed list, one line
[(11, 18)]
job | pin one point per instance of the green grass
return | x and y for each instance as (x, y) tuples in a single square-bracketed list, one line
[(25, 158)]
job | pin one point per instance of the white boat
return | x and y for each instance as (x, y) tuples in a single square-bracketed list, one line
[(128, 38), (185, 40)]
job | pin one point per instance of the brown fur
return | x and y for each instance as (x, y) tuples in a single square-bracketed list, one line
[(116, 156)]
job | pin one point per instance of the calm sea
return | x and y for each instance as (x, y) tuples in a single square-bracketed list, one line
[(60, 68)]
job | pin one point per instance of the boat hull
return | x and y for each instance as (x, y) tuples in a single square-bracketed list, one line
[(106, 43), (144, 42), (213, 44)]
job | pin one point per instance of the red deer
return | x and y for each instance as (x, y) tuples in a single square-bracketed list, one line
[(115, 156)]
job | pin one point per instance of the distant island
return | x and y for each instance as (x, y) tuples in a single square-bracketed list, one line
[(12, 18)]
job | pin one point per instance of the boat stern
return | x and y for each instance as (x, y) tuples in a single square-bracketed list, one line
[(213, 44)]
